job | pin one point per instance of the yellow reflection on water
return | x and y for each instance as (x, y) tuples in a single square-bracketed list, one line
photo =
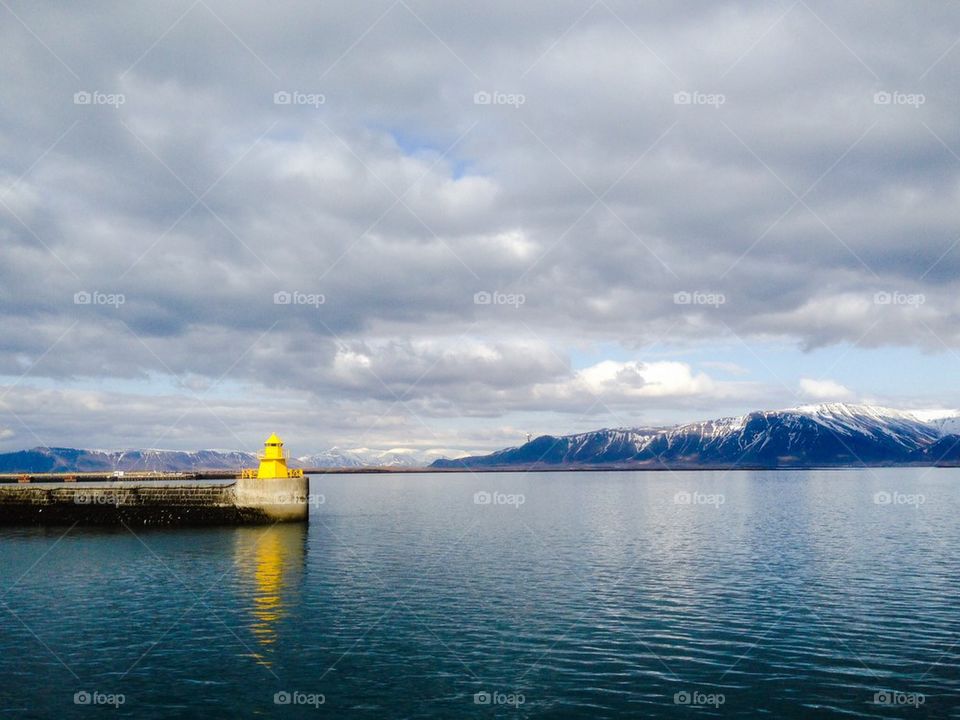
[(270, 562)]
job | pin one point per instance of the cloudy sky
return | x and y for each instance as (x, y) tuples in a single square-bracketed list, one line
[(441, 226)]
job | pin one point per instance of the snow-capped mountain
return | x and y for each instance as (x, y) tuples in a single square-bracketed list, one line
[(396, 459), (362, 457), (334, 457), (947, 425), (49, 459), (833, 434)]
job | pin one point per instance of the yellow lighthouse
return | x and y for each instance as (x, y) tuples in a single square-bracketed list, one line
[(273, 462), (273, 492)]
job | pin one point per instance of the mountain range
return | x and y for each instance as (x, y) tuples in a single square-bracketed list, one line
[(828, 435), (52, 459)]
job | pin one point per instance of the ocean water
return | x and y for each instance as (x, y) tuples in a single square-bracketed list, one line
[(540, 595)]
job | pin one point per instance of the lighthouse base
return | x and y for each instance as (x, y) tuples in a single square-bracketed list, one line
[(273, 499)]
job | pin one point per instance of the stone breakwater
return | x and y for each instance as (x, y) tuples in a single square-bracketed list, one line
[(242, 502)]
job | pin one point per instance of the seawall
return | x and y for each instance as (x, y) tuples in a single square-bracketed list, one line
[(242, 502)]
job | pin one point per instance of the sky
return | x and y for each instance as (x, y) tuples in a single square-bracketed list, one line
[(441, 226)]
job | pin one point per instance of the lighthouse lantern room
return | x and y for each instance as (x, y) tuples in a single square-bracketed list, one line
[(273, 461)]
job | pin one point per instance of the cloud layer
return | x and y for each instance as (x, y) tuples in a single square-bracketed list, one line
[(452, 204)]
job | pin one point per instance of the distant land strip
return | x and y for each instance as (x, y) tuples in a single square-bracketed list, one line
[(200, 475)]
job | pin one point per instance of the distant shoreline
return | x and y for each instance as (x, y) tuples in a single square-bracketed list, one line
[(617, 468), (225, 474)]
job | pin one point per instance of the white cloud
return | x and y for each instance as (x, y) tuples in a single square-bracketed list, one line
[(930, 414), (639, 379), (727, 367), (824, 390), (491, 198)]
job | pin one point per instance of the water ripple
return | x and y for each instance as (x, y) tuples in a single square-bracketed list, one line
[(598, 598)]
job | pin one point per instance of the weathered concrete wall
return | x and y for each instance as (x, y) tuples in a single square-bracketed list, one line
[(243, 502), (282, 500)]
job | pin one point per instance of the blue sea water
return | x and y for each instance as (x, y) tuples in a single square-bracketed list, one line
[(541, 595)]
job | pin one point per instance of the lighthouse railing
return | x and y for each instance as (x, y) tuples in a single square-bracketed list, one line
[(284, 455)]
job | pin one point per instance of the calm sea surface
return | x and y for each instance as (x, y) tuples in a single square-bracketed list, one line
[(561, 595)]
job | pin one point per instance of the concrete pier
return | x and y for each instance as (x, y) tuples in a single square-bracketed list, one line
[(155, 503)]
